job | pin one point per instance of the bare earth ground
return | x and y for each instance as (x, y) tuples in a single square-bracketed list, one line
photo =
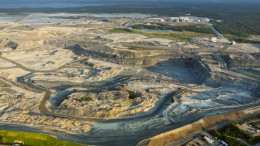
[(76, 77)]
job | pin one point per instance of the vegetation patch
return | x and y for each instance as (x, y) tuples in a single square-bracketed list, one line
[(84, 99), (236, 31), (241, 39), (256, 117), (181, 36), (1, 28), (231, 133), (67, 17), (32, 139), (182, 28), (26, 28), (12, 45)]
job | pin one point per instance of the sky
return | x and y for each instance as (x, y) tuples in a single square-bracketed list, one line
[(79, 3), (108, 1)]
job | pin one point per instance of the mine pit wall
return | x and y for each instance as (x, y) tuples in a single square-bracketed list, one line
[(122, 57), (242, 60), (182, 132), (20, 81), (58, 98), (199, 70), (221, 79)]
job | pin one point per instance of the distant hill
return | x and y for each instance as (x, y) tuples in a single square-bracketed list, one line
[(122, 1)]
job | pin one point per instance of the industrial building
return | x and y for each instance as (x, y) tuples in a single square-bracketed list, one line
[(208, 140), (189, 19), (157, 19), (214, 40)]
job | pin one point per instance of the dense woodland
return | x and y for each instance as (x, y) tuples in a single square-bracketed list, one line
[(230, 134), (240, 20)]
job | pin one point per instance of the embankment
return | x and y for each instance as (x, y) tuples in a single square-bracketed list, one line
[(173, 135)]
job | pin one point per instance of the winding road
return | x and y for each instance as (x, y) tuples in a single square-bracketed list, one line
[(99, 85), (114, 140)]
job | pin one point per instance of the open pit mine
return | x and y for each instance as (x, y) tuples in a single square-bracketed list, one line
[(82, 81)]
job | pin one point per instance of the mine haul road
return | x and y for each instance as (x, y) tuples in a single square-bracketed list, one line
[(125, 139), (109, 84)]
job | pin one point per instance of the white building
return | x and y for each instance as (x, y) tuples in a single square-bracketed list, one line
[(214, 39), (184, 19), (193, 19), (157, 19), (208, 140), (233, 43), (175, 19), (223, 143)]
